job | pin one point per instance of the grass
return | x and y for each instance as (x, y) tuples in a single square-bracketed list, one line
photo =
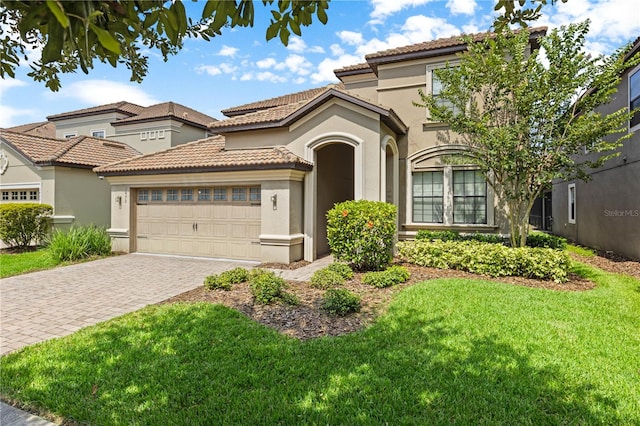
[(579, 250), (21, 263), (447, 351)]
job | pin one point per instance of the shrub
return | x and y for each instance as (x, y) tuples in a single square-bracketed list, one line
[(540, 239), (23, 224), (445, 235), (489, 259), (484, 238), (340, 301), (341, 268), (225, 280), (326, 278), (79, 242), (361, 233), (392, 276), (268, 288)]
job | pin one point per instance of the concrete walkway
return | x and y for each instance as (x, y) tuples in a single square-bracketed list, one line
[(43, 305)]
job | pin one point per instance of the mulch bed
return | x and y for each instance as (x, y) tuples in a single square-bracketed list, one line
[(307, 320)]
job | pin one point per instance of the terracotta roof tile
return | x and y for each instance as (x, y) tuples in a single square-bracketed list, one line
[(206, 155), (437, 44), (283, 100), (42, 128), (79, 151), (169, 110), (282, 115), (354, 69), (122, 107)]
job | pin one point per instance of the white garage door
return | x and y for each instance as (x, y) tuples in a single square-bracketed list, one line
[(222, 222)]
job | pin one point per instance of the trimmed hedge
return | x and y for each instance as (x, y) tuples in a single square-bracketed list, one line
[(340, 301), (361, 233), (448, 235), (495, 260), (391, 276), (540, 239), (23, 224), (226, 279)]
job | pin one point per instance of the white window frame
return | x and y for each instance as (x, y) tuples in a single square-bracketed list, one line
[(633, 72), (429, 82), (160, 134), (103, 131), (144, 136), (571, 200), (70, 135), (27, 186)]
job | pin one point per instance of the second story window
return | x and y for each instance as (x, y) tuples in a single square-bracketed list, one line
[(634, 97), (98, 133), (435, 87)]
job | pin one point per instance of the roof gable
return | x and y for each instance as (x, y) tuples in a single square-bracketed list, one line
[(123, 107), (285, 115), (169, 110), (206, 155)]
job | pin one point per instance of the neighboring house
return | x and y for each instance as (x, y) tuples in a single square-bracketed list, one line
[(44, 128), (147, 129), (37, 169), (261, 189), (604, 212)]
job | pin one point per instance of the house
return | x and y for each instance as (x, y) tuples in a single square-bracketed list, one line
[(146, 129), (604, 212), (261, 189), (58, 172)]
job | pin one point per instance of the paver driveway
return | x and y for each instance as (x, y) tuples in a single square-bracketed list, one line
[(47, 304)]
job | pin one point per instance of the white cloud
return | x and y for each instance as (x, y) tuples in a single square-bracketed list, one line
[(325, 68), (213, 70), (336, 50), (106, 91), (266, 63), (462, 7), (9, 84), (350, 37), (228, 51), (297, 45), (384, 8), (296, 64), (267, 76), (9, 116)]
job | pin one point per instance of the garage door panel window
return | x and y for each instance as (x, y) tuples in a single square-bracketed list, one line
[(219, 194), (172, 195), (186, 194), (204, 194), (240, 195), (156, 195)]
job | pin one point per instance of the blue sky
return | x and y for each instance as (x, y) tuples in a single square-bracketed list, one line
[(240, 66)]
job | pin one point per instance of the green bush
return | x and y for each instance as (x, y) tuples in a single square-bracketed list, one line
[(226, 279), (79, 242), (23, 224), (391, 276), (326, 278), (484, 238), (446, 235), (340, 301), (341, 268), (268, 288), (489, 259), (361, 233), (540, 239)]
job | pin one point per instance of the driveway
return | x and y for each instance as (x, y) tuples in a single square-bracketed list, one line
[(42, 305)]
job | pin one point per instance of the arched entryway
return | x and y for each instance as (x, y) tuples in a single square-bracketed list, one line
[(336, 176), (334, 184)]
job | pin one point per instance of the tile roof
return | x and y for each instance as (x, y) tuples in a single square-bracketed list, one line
[(284, 115), (362, 68), (122, 107), (81, 151), (170, 110), (283, 100), (432, 48), (42, 128), (206, 155)]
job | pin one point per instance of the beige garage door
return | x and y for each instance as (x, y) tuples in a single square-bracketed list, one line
[(222, 222)]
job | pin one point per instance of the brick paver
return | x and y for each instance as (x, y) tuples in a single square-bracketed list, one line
[(43, 305)]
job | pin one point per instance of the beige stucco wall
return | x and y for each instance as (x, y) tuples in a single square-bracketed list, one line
[(81, 194), (175, 133), (281, 236), (84, 125)]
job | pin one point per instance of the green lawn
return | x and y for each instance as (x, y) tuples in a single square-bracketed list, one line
[(21, 263), (447, 351)]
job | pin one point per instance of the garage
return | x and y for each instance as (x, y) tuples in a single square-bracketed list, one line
[(209, 221)]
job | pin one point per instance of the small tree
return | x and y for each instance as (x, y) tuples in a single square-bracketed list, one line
[(525, 116), (23, 224), (362, 232)]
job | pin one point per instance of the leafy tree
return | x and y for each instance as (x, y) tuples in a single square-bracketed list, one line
[(514, 15), (525, 116), (74, 34)]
